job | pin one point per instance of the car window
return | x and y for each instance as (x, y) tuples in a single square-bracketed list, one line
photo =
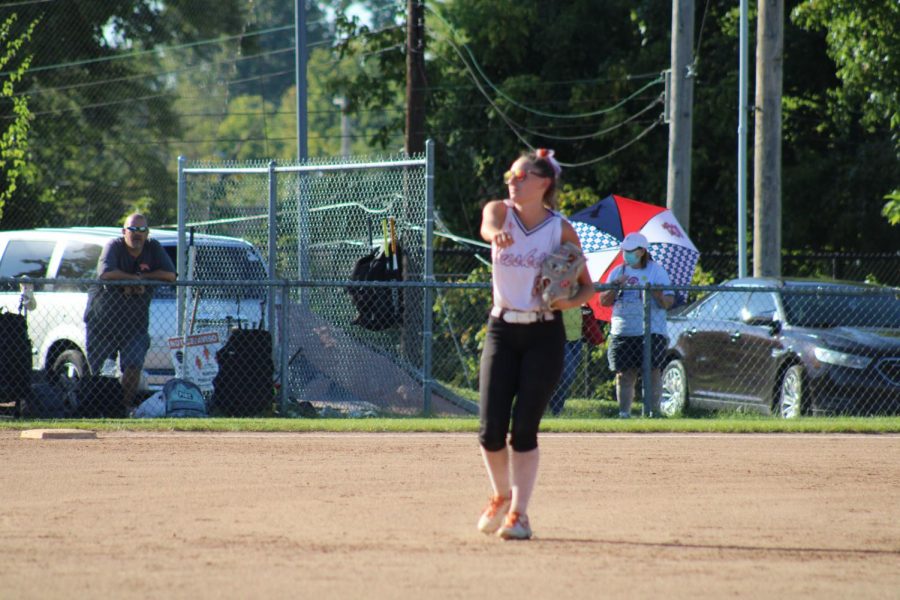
[(722, 305), (229, 263), (79, 261), (26, 258), (705, 309), (761, 304), (222, 263), (878, 310)]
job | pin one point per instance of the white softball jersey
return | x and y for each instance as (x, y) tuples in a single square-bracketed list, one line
[(517, 267)]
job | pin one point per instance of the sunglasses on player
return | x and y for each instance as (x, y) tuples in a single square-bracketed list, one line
[(140, 229), (519, 174)]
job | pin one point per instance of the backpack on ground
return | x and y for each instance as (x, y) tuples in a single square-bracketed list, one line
[(15, 359), (243, 386), (46, 401), (183, 398), (99, 397)]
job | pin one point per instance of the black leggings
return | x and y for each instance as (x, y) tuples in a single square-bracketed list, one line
[(522, 362)]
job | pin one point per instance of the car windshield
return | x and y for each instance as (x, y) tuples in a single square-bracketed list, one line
[(833, 310), (223, 263)]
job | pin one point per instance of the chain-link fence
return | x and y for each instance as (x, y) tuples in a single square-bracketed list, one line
[(360, 219), (457, 258), (786, 350)]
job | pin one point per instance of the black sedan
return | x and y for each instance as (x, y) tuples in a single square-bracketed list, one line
[(788, 347)]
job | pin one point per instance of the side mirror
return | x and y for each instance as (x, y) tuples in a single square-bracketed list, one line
[(766, 319)]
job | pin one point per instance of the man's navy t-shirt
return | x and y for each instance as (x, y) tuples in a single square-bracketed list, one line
[(108, 304)]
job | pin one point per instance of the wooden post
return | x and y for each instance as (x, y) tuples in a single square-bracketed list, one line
[(678, 189), (767, 141), (415, 77)]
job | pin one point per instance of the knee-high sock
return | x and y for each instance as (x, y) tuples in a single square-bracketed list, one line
[(524, 476), (497, 464)]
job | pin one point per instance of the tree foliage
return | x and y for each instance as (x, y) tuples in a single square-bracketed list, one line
[(119, 88), (535, 61), (100, 100), (14, 163), (863, 40)]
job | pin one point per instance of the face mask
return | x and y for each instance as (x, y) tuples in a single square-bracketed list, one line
[(632, 258)]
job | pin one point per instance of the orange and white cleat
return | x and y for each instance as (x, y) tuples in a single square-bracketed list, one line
[(493, 514), (515, 527)]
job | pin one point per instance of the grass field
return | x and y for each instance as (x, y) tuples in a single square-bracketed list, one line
[(713, 424)]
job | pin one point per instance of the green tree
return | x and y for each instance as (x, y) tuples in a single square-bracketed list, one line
[(534, 60), (102, 104), (14, 163), (864, 43)]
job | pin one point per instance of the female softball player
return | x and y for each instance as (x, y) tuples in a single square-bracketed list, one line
[(523, 351)]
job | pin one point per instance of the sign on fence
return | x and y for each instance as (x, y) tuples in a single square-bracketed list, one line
[(194, 358)]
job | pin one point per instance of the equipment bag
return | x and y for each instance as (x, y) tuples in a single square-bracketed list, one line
[(243, 386), (378, 308), (15, 359), (183, 398), (99, 397)]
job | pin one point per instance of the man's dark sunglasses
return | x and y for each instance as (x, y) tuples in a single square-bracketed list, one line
[(142, 229)]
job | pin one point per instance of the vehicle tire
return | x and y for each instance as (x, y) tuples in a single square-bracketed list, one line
[(68, 368), (791, 393), (674, 389)]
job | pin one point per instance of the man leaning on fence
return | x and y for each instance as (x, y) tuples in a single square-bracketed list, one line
[(117, 316)]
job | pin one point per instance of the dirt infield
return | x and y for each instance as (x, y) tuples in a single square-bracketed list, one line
[(393, 516)]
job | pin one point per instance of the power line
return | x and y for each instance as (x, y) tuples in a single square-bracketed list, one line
[(595, 134), (524, 107), (512, 126), (155, 50), (700, 35), (592, 161), (44, 90), (25, 3), (544, 83)]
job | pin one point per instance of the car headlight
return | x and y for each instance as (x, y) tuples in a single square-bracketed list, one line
[(842, 359)]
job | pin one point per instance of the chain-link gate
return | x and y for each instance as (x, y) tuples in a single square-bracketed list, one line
[(321, 222)]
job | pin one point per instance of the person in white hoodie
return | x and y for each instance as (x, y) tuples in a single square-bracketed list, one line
[(523, 349), (626, 342)]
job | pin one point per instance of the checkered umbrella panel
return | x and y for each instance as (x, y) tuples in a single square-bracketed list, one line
[(602, 227)]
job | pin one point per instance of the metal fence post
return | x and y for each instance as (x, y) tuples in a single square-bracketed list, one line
[(303, 235), (646, 376), (284, 376), (273, 243), (428, 267), (181, 258)]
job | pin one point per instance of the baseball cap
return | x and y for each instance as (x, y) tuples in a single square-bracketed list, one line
[(634, 241)]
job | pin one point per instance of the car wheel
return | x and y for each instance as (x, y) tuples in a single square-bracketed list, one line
[(674, 397), (68, 368), (791, 393)]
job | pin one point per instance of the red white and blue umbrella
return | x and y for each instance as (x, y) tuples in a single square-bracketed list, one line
[(602, 227)]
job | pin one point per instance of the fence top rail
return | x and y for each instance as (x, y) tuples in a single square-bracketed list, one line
[(417, 162), (411, 282)]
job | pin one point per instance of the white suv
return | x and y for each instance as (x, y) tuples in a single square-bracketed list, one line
[(56, 323)]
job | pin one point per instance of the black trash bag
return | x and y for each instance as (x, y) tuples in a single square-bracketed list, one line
[(15, 359), (244, 386), (99, 397), (382, 307), (46, 401)]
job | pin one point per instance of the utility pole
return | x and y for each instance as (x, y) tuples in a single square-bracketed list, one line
[(341, 102), (767, 141), (743, 113), (415, 77), (681, 113), (300, 60)]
